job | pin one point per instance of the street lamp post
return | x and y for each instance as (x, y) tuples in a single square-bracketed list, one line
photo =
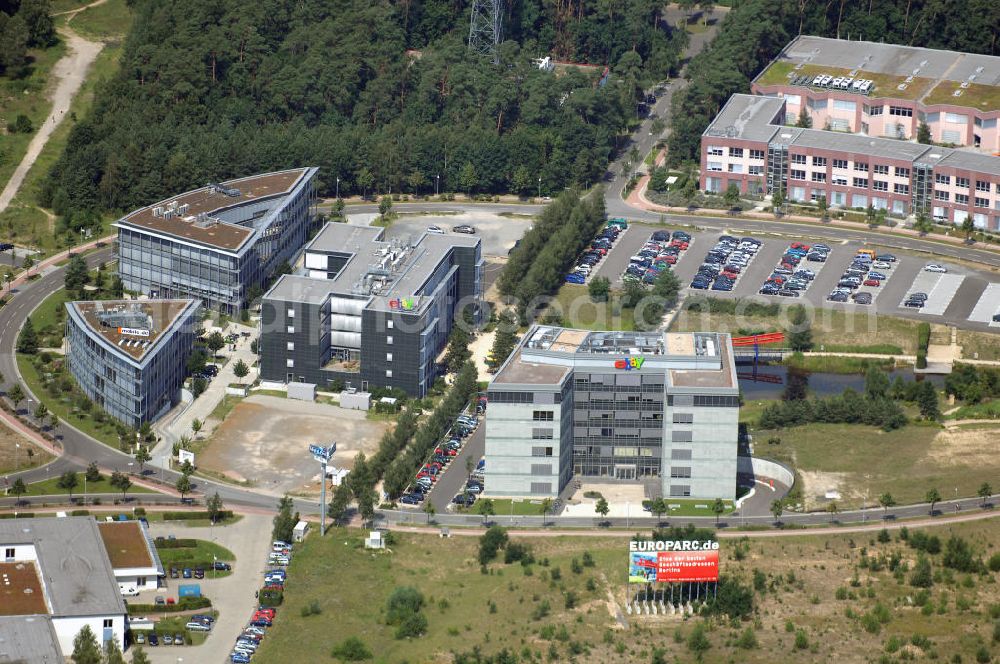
[(338, 187), (17, 457), (539, 187), (437, 183)]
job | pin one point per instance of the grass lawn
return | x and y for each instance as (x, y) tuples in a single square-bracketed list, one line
[(979, 345), (50, 487), (988, 410), (835, 328), (173, 625), (27, 456), (573, 304), (504, 507), (506, 609), (110, 20), (198, 556), (853, 458)]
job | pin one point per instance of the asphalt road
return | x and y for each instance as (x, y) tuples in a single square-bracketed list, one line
[(454, 478)]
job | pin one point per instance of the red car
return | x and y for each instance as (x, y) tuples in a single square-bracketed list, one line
[(269, 612), (800, 245), (680, 244), (873, 282)]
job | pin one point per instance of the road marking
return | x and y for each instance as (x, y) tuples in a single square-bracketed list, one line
[(987, 306), (939, 298)]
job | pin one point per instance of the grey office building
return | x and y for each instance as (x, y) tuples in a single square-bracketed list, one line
[(660, 408), (130, 357), (218, 242), (369, 311)]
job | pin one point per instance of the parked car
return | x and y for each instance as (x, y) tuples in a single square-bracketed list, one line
[(436, 230), (863, 298), (464, 228), (220, 566), (934, 267), (154, 640)]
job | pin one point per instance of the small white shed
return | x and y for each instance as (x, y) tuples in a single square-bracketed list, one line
[(299, 532)]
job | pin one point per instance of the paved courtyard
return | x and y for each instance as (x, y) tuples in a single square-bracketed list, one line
[(265, 439)]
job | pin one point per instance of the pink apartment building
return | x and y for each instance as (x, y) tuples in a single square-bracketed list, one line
[(749, 145), (956, 94)]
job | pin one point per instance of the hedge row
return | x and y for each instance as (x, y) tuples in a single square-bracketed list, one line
[(923, 341), (183, 604), (176, 543), (184, 516), (19, 515)]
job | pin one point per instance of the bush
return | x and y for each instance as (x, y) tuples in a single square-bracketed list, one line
[(994, 563), (311, 609), (185, 543), (270, 597), (224, 515), (801, 641), (80, 513), (490, 543), (412, 626), (183, 604), (352, 649)]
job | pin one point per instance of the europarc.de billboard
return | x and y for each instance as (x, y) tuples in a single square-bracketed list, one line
[(673, 561)]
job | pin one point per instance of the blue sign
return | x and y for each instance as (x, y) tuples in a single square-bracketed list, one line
[(321, 452)]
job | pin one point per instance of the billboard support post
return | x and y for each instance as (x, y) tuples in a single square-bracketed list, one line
[(322, 455)]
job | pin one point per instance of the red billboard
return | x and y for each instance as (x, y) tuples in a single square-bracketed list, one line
[(672, 562)]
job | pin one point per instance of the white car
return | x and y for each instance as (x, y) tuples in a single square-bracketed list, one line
[(882, 265), (435, 229), (934, 267)]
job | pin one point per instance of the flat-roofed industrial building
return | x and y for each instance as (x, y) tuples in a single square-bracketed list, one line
[(653, 407)]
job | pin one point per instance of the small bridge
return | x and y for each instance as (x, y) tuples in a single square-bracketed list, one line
[(756, 355)]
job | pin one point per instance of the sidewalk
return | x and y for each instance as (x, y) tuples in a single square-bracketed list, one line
[(179, 423)]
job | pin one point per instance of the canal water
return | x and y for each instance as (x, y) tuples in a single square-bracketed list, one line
[(768, 381)]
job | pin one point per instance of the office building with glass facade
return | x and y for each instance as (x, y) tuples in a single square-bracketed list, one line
[(368, 311), (658, 408), (130, 357), (219, 242)]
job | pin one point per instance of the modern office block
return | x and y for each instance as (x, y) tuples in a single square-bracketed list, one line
[(369, 311), (626, 406), (219, 242), (130, 357), (747, 145), (887, 90)]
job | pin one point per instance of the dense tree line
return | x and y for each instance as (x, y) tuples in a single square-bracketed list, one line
[(538, 266), (23, 25), (400, 473), (755, 31), (848, 408), (973, 384), (208, 91)]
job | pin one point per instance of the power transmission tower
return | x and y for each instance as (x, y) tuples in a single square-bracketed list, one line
[(486, 28)]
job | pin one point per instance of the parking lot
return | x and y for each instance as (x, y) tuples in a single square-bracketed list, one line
[(497, 233), (987, 306), (232, 596)]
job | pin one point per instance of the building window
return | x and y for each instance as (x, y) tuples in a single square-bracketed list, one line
[(902, 172), (680, 472), (798, 159), (735, 152), (388, 340), (861, 166), (542, 416), (982, 202), (541, 434), (982, 186), (541, 451), (683, 418), (942, 179), (844, 105), (880, 169), (714, 151), (840, 163), (962, 199), (901, 111), (290, 329), (819, 161), (735, 168), (680, 490), (818, 176), (840, 179), (940, 195), (388, 325), (796, 174), (388, 373), (871, 110), (956, 118), (291, 313), (541, 488), (861, 183), (962, 183), (878, 185), (290, 345), (756, 170), (901, 188), (681, 436), (108, 624), (8, 553), (680, 455), (388, 357), (289, 362), (757, 155), (715, 166)]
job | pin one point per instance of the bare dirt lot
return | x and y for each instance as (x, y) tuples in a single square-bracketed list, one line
[(265, 440), (11, 457)]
